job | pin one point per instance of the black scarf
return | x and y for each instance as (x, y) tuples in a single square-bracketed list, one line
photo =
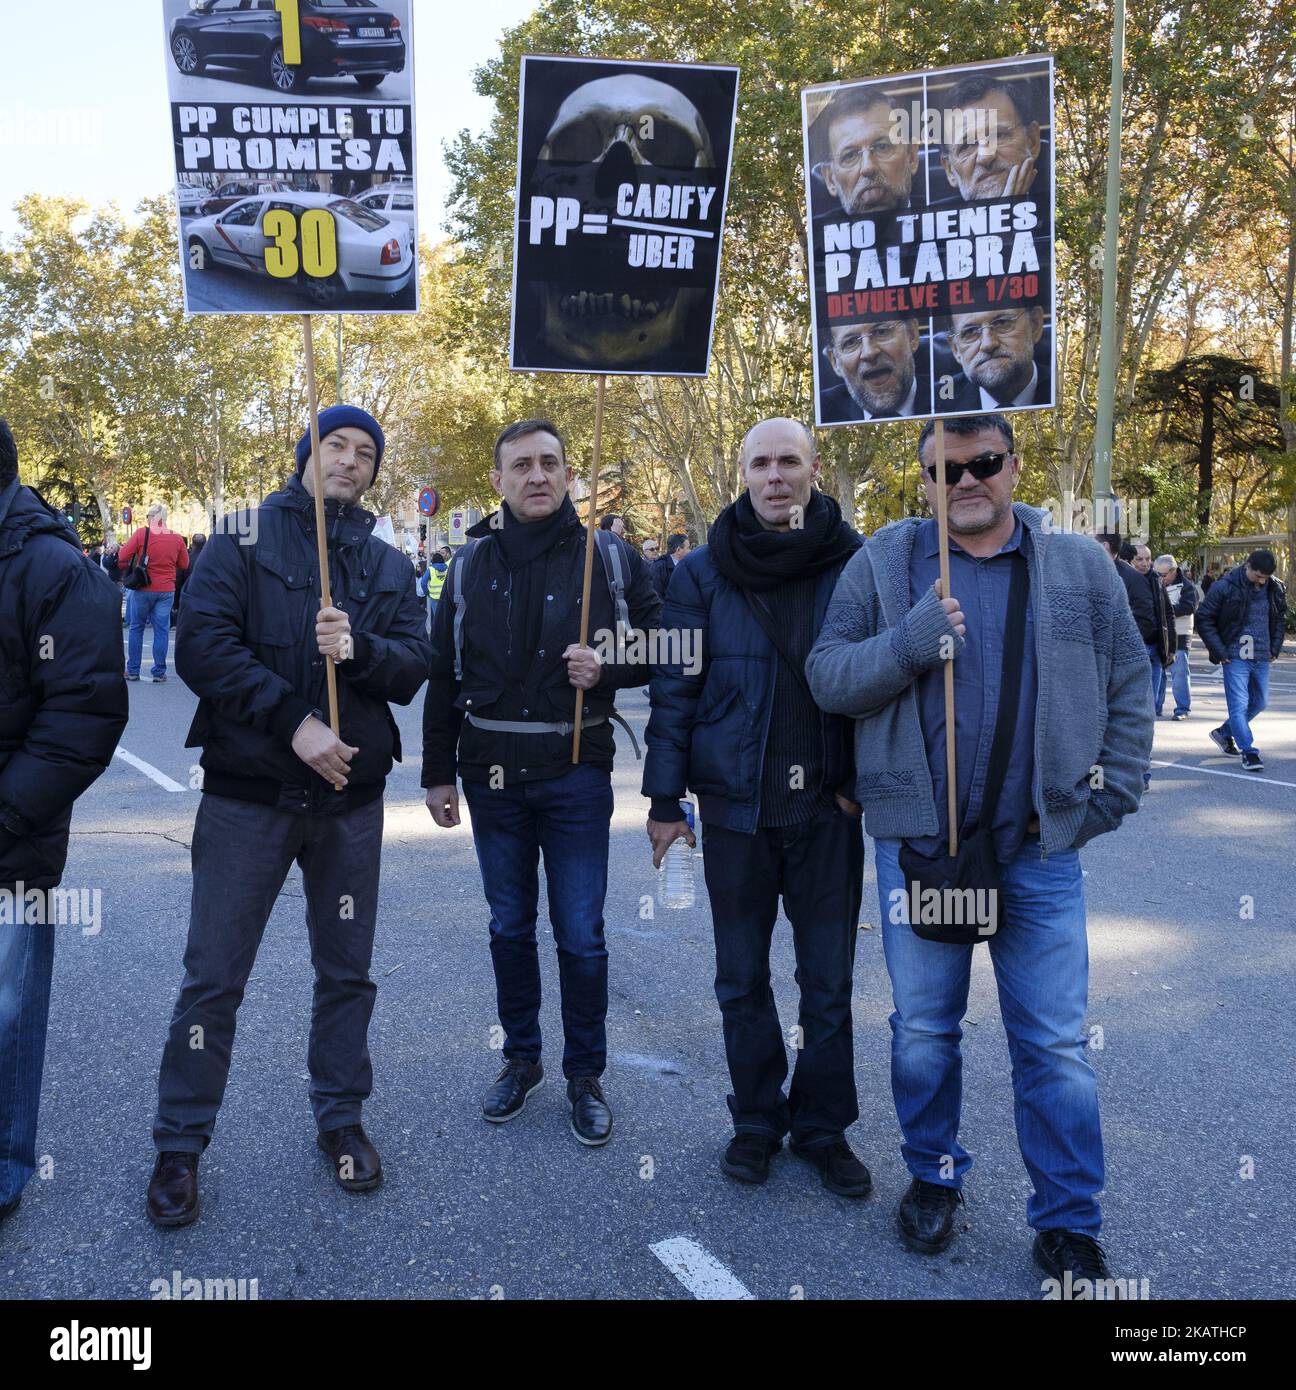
[(523, 544), (522, 541), (760, 560)]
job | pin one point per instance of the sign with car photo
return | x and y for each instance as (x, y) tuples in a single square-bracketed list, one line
[(293, 127)]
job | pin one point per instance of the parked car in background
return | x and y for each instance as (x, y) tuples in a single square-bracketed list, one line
[(344, 38), (374, 255), (395, 201), (190, 198), (236, 190)]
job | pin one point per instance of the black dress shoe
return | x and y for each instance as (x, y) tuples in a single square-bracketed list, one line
[(356, 1164), (591, 1117), (748, 1156), (840, 1170), (1057, 1252), (173, 1189), (508, 1095), (10, 1207), (927, 1216)]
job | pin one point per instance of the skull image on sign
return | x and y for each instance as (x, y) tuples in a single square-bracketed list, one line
[(622, 215)]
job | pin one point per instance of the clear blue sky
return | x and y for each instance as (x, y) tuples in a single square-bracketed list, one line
[(83, 104)]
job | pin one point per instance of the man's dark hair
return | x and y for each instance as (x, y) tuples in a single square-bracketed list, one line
[(851, 101), (1128, 552), (675, 542), (971, 90), (1262, 561), (965, 425), (8, 454), (606, 522), (519, 429), (1112, 539)]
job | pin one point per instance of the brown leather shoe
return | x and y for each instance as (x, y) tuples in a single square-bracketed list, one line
[(173, 1190), (356, 1164)]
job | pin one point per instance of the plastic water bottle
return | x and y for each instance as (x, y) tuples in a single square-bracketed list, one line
[(675, 884)]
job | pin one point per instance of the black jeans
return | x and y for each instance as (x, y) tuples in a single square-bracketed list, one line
[(817, 867), (241, 856)]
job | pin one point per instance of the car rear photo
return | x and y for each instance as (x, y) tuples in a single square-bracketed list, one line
[(339, 38)]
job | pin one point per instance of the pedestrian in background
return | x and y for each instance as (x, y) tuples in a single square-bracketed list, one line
[(1242, 623), (164, 553), (1183, 597)]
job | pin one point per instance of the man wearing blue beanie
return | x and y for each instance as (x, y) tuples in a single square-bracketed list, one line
[(279, 787)]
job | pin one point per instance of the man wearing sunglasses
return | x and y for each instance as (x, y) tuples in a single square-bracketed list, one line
[(996, 349), (1081, 739)]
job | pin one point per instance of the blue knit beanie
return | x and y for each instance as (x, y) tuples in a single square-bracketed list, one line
[(340, 417)]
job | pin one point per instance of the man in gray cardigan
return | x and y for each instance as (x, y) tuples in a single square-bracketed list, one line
[(1082, 740)]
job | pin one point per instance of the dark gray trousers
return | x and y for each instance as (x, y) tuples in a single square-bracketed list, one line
[(241, 856)]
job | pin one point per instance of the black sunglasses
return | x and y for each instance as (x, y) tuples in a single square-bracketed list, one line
[(982, 467)]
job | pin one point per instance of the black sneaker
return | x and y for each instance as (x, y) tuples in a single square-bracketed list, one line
[(1223, 740), (507, 1097), (840, 1170), (927, 1216), (1252, 761), (129, 677), (1059, 1252), (748, 1157), (1178, 718), (591, 1116)]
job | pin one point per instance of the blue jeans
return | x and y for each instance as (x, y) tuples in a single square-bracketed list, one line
[(1246, 688), (1181, 683), (26, 964), (567, 818), (1041, 964), (144, 608), (1158, 676)]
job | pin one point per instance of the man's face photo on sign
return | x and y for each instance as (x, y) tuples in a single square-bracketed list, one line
[(622, 171), (995, 350), (995, 144), (877, 365), (867, 169)]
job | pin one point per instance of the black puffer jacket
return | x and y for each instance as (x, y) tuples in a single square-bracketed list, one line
[(246, 647), (63, 698), (1222, 617)]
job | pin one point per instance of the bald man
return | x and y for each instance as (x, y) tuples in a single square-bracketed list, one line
[(773, 776)]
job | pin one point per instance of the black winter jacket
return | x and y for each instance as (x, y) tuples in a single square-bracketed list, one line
[(246, 647), (1221, 619), (1140, 601), (708, 730), (450, 744), (63, 699)]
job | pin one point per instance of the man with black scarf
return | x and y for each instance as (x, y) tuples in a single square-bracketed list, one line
[(505, 668), (773, 775)]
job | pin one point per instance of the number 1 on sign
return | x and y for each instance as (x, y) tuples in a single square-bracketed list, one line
[(291, 22)]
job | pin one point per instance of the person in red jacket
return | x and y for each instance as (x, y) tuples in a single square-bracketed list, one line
[(166, 555)]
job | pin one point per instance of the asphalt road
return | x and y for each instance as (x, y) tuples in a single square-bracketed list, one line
[(1192, 997)]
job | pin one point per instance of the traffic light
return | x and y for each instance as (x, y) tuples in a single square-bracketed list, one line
[(422, 530)]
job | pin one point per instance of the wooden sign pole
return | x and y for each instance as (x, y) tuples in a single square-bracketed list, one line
[(942, 526), (592, 522), (321, 539)]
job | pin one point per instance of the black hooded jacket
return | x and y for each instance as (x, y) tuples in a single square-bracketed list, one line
[(246, 647), (63, 699)]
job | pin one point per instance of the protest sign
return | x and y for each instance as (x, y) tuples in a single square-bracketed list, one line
[(623, 172), (930, 213), (293, 129)]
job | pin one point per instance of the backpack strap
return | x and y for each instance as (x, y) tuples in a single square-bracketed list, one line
[(615, 571), (460, 603)]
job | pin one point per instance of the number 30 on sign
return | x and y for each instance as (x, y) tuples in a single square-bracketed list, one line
[(318, 240)]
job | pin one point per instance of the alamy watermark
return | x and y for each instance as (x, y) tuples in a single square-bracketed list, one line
[(21, 906)]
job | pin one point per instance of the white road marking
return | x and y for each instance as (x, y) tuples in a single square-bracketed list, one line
[(149, 770), (699, 1270), (1211, 772)]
